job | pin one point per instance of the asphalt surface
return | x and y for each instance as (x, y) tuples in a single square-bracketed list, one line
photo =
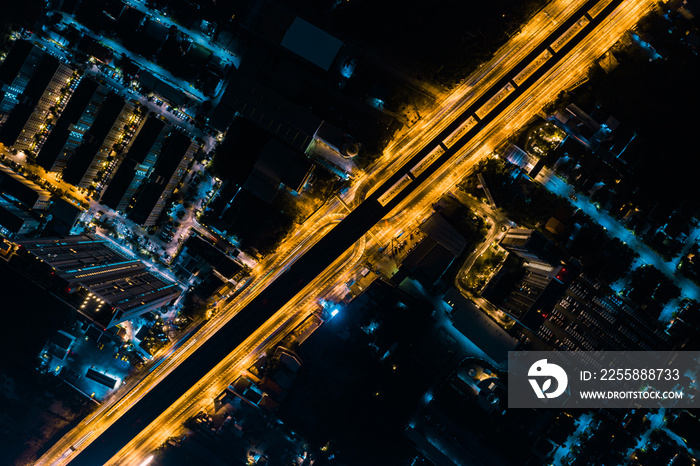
[(306, 268)]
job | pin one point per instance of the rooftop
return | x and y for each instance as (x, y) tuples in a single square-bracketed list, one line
[(311, 43), (478, 327)]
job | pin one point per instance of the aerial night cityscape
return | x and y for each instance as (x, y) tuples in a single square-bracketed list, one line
[(349, 232)]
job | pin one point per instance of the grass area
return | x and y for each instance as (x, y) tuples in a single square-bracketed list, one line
[(482, 269), (531, 205), (528, 204), (543, 139)]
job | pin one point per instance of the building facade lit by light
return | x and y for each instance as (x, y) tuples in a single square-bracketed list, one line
[(104, 285)]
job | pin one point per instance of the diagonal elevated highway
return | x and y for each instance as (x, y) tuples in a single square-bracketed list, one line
[(413, 178)]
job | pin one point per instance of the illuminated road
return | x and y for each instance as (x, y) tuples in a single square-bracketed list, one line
[(47, 177), (225, 55), (143, 63), (474, 87), (617, 230), (201, 396), (428, 128), (165, 426), (254, 307)]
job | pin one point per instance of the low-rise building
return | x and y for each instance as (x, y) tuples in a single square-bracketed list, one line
[(90, 160), (64, 216), (170, 168), (137, 165), (563, 308), (99, 281), (199, 258), (474, 324), (15, 221), (429, 260)]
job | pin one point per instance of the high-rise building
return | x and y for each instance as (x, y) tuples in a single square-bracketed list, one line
[(21, 204), (44, 90), (15, 73), (16, 221), (170, 168), (137, 165), (99, 281), (68, 131), (91, 159)]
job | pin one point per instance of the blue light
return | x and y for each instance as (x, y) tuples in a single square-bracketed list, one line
[(348, 68), (334, 312)]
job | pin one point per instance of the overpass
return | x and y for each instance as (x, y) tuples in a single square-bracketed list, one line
[(418, 170)]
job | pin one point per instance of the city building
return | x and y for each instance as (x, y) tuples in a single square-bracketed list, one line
[(429, 260), (277, 166), (563, 308), (136, 166), (100, 282), (44, 91), (524, 293), (474, 324), (96, 50), (70, 128), (529, 245), (297, 63), (169, 169), (22, 204), (311, 43), (16, 221), (91, 158), (526, 161), (267, 109), (211, 271), (198, 258), (268, 391), (63, 217), (334, 150), (15, 72), (170, 94)]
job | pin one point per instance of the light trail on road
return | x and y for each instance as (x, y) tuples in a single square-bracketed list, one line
[(439, 183), (419, 202), (201, 396)]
